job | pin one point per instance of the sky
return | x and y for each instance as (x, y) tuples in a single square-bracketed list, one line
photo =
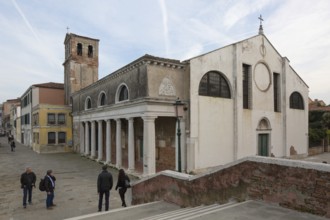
[(32, 33)]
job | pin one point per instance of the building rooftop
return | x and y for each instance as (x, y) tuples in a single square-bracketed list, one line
[(51, 85)]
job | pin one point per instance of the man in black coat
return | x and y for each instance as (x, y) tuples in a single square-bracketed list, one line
[(50, 187), (104, 185), (28, 180)]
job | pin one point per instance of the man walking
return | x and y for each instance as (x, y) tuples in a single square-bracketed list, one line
[(50, 187), (12, 145), (104, 185), (28, 180)]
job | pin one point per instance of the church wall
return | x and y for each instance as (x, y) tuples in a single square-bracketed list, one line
[(262, 103), (297, 120), (211, 119), (215, 132), (135, 80)]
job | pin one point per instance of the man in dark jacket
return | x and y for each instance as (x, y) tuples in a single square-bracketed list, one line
[(104, 185), (28, 180), (50, 187)]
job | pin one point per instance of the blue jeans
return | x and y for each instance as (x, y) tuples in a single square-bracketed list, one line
[(49, 199), (27, 192)]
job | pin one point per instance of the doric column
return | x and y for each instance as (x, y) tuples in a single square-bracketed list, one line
[(131, 159), (82, 138), (149, 136), (108, 142), (86, 138), (100, 143), (93, 140), (118, 143)]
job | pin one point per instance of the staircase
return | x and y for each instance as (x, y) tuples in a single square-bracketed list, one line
[(156, 211)]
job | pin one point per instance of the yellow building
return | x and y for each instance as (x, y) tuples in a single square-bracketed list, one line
[(52, 128)]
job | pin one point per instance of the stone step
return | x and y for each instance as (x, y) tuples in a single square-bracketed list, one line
[(208, 212), (190, 213), (175, 213), (132, 212)]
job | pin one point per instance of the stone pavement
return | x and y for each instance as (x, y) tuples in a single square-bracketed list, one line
[(75, 193)]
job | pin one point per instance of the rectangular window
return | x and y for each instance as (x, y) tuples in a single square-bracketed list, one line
[(61, 119), (276, 77), (51, 138), (246, 86), (36, 119), (61, 137), (51, 118)]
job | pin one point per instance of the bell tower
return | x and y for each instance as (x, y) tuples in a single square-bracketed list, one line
[(81, 63)]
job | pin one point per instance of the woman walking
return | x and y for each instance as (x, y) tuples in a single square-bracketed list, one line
[(123, 183)]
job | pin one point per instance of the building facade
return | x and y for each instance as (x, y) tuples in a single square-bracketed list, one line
[(7, 120), (240, 100), (46, 122), (52, 131)]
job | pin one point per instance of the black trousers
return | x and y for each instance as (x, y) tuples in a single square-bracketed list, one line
[(122, 191), (107, 195)]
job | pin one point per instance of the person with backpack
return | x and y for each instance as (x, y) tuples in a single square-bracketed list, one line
[(49, 181), (123, 183), (104, 185), (28, 180)]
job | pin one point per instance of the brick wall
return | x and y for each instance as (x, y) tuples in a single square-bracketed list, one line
[(298, 185)]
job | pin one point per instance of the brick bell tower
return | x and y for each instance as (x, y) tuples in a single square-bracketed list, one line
[(81, 63)]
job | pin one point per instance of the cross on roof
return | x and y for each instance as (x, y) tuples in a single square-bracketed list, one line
[(67, 29), (261, 19)]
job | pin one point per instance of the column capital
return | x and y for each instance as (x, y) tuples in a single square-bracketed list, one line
[(149, 118), (130, 119)]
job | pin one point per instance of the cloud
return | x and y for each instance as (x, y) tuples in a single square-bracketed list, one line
[(32, 34)]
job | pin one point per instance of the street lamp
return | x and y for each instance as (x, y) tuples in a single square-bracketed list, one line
[(179, 113)]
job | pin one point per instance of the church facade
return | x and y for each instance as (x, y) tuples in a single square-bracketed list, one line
[(240, 100)]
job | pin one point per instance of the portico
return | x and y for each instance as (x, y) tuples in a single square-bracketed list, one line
[(131, 141)]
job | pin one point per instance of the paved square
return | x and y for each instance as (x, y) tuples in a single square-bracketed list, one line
[(75, 193)]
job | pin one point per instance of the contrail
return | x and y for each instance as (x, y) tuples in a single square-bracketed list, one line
[(25, 20), (164, 14)]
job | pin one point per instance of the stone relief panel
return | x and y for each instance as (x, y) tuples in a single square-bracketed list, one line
[(167, 88)]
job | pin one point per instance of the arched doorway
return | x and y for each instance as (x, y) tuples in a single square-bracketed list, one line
[(263, 137)]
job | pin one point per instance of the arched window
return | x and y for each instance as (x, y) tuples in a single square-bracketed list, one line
[(123, 93), (214, 84), (90, 51), (296, 101), (102, 99), (88, 103), (79, 49)]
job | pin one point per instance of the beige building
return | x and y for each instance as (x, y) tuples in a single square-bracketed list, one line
[(46, 120)]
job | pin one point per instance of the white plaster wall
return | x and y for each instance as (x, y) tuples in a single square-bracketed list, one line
[(215, 131), (211, 135), (297, 120), (35, 96), (207, 130), (262, 101)]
